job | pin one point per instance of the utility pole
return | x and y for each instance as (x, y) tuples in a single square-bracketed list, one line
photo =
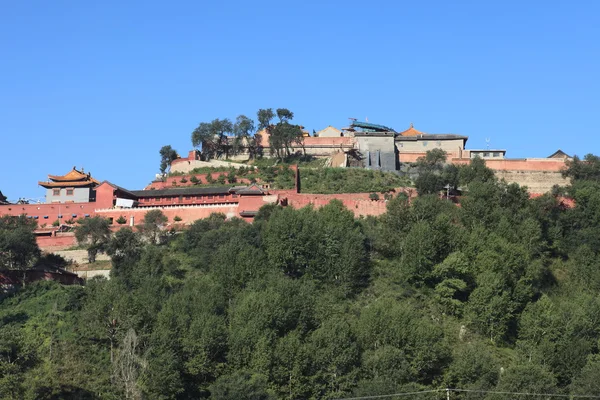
[(447, 394)]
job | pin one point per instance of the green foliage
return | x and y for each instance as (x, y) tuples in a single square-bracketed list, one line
[(241, 385), (153, 225), (348, 180), (587, 169), (213, 137), (121, 220), (326, 244), (94, 234), (167, 156), (430, 179), (497, 294), (18, 248), (231, 177)]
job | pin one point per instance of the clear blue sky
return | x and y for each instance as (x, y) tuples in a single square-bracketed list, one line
[(104, 85)]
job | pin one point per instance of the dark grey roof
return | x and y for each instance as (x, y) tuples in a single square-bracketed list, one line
[(122, 189), (558, 152), (189, 191), (376, 134), (437, 136), (253, 189)]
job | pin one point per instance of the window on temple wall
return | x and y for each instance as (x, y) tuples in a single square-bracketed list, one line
[(221, 196), (70, 192), (55, 192), (486, 154), (496, 154)]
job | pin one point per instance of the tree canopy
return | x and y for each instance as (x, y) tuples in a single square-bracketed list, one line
[(167, 156), (496, 295), (94, 233)]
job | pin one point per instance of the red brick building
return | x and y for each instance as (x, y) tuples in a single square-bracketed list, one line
[(77, 195)]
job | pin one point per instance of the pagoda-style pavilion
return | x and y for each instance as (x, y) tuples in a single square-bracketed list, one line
[(74, 187)]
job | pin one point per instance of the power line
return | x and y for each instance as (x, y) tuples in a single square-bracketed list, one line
[(570, 396), (383, 396)]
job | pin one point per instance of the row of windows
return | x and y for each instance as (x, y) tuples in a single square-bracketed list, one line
[(159, 199), (56, 192), (60, 216), (487, 154)]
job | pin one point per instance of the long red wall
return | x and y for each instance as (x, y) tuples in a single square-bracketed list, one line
[(527, 164), (52, 211), (358, 203)]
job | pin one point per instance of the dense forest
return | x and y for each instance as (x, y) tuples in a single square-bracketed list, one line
[(500, 293)]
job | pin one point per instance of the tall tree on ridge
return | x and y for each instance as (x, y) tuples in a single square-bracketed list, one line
[(212, 136), (167, 156), (242, 129), (283, 135)]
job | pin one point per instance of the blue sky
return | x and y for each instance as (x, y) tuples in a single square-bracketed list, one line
[(104, 85)]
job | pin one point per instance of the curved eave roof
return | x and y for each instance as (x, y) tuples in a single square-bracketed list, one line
[(49, 185), (73, 175), (411, 132)]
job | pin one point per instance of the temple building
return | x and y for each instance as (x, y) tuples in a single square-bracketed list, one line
[(74, 187), (413, 144)]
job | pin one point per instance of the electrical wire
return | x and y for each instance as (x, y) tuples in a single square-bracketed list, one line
[(570, 396), (383, 396)]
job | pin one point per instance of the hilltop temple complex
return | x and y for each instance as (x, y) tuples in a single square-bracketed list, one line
[(367, 145), (77, 195)]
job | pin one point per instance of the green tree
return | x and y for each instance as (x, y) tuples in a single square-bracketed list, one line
[(429, 169), (94, 233), (213, 137), (473, 367), (241, 385), (336, 359), (18, 247), (167, 156), (153, 225), (125, 249), (265, 116), (243, 129), (587, 382), (524, 378), (587, 169)]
